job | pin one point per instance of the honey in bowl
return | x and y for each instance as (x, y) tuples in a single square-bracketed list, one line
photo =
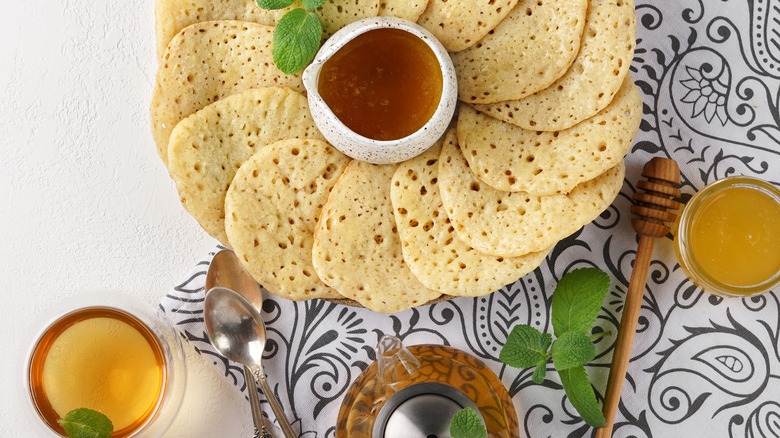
[(385, 84), (728, 237), (102, 359)]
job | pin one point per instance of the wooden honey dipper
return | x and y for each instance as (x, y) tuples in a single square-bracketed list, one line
[(662, 175)]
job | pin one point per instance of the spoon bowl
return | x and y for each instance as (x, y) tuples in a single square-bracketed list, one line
[(235, 327), (225, 270)]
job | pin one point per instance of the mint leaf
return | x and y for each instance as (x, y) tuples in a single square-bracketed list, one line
[(575, 306), (86, 423), (525, 347), (296, 40), (577, 300), (312, 4), (571, 350), (274, 4), (580, 392), (467, 423), (540, 372)]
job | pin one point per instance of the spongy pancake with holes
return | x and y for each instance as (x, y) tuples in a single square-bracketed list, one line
[(207, 62), (516, 223), (272, 208), (528, 51), (171, 16), (357, 250), (208, 147), (460, 24), (406, 9), (590, 83), (339, 13), (511, 158), (431, 247)]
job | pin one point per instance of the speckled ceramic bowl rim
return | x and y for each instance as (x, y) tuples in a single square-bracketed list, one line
[(353, 30)]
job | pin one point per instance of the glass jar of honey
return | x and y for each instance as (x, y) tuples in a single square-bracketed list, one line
[(728, 237)]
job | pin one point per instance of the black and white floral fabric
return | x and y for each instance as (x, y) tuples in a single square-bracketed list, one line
[(703, 366)]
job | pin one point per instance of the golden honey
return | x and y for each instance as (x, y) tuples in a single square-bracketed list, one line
[(102, 359), (728, 238), (384, 85)]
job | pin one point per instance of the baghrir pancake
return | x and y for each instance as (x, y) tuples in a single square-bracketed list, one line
[(533, 47), (406, 9), (207, 148), (357, 250), (516, 223), (171, 16), (174, 15), (431, 247), (460, 24), (591, 82), (337, 14), (272, 208), (207, 62), (514, 159)]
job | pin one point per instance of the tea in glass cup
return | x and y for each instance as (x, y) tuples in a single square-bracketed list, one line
[(111, 355)]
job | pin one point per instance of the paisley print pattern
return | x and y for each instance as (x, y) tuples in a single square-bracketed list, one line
[(709, 71)]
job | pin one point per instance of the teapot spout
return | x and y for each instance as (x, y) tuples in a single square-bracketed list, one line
[(391, 352)]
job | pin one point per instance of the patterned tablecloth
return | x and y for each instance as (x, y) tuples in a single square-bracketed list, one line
[(709, 72)]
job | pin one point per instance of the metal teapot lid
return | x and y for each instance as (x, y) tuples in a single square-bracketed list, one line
[(423, 410)]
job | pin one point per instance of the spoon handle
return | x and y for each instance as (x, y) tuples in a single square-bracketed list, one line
[(275, 406), (254, 402)]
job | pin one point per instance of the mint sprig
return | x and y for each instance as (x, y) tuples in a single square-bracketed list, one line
[(297, 35), (86, 423), (575, 306), (467, 423)]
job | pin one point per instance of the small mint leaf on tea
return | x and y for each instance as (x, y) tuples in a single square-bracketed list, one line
[(274, 4), (525, 347), (577, 300), (296, 40), (312, 4), (467, 423), (580, 392), (571, 350), (86, 423)]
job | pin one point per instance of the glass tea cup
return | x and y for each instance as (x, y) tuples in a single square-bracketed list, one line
[(108, 352)]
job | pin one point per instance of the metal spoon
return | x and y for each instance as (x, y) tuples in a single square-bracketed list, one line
[(225, 270), (237, 331)]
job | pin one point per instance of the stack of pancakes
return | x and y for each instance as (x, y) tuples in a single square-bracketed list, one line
[(547, 113)]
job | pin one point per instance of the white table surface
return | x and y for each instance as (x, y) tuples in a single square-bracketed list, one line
[(85, 203)]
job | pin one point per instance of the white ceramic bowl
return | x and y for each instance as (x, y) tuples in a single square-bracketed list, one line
[(363, 148)]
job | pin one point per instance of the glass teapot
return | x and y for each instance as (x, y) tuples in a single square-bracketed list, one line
[(414, 392)]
